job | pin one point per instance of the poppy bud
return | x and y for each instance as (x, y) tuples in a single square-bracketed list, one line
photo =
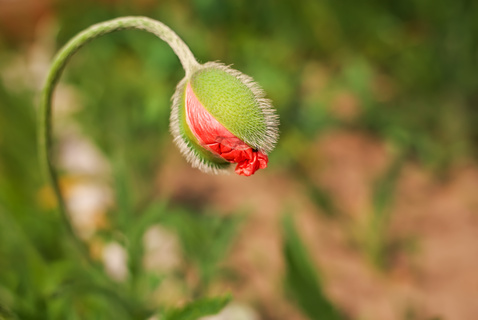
[(220, 116)]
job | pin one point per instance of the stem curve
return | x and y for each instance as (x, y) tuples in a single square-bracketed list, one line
[(45, 140)]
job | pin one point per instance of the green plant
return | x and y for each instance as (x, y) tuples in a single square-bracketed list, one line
[(229, 112)]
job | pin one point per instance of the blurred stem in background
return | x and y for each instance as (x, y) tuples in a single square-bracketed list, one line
[(374, 239), (302, 282)]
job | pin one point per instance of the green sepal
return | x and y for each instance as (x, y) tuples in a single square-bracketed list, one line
[(202, 155), (231, 102)]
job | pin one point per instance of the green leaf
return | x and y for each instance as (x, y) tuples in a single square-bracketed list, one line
[(302, 281), (205, 239), (197, 309)]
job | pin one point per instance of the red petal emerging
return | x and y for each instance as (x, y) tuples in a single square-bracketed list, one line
[(216, 138)]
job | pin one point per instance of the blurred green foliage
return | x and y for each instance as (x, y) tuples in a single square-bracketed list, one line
[(411, 65), (301, 280), (198, 309)]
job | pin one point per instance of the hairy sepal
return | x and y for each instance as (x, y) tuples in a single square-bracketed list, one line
[(238, 103), (189, 147)]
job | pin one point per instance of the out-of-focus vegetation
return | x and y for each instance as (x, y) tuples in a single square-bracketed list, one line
[(403, 72)]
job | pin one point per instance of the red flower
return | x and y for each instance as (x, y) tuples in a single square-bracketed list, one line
[(214, 137)]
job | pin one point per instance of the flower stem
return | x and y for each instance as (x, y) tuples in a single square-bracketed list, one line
[(45, 140)]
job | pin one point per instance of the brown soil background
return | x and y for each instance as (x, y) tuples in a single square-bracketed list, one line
[(434, 275)]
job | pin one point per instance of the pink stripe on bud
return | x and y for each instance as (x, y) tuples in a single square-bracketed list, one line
[(216, 138)]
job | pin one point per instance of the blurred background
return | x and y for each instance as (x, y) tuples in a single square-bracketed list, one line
[(368, 209)]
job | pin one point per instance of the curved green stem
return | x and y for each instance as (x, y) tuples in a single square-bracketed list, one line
[(45, 117)]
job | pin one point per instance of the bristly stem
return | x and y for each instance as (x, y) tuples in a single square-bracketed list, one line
[(59, 62)]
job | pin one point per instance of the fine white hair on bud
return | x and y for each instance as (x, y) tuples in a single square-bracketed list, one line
[(220, 116)]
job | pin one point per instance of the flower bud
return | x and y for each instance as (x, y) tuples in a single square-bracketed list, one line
[(220, 116)]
